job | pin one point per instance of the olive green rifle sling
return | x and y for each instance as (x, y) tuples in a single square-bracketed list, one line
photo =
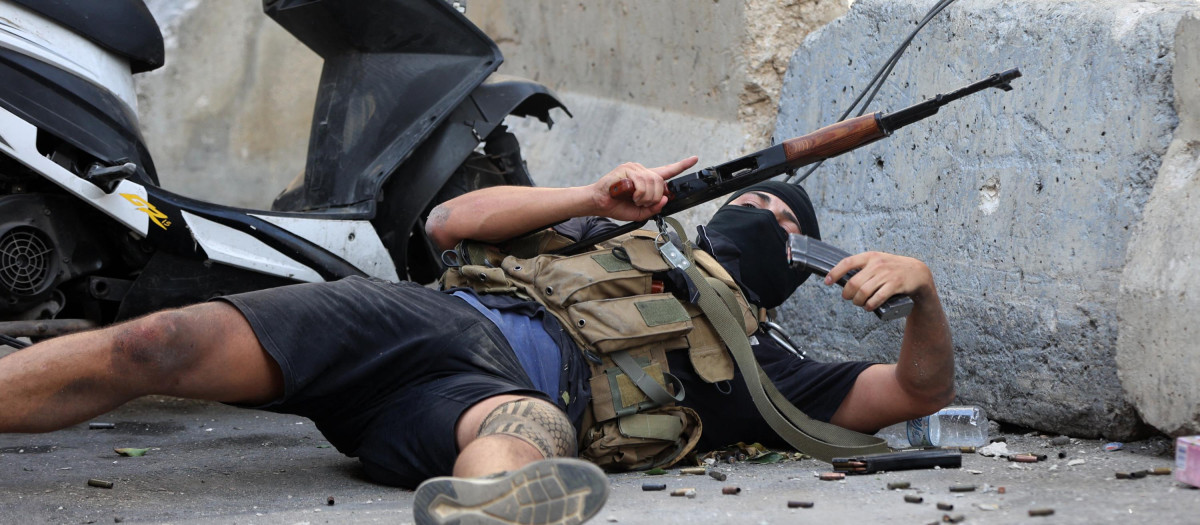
[(818, 439)]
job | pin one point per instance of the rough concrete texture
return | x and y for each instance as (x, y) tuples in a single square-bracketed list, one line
[(1022, 203), (227, 117), (649, 82), (718, 60), (1160, 289), (773, 30)]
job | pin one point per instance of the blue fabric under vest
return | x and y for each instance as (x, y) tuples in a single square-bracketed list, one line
[(537, 352)]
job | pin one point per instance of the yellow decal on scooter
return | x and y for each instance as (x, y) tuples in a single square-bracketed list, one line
[(158, 217)]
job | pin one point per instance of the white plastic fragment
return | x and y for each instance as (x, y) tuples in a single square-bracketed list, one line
[(1074, 462), (995, 449)]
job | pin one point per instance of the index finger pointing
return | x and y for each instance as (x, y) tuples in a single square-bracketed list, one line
[(675, 168)]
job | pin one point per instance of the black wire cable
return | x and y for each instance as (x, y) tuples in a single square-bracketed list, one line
[(880, 76), (13, 342)]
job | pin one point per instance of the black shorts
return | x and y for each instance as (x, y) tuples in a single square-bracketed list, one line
[(383, 369)]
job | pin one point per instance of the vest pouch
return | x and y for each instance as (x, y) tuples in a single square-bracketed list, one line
[(709, 357), (609, 325), (615, 393), (658, 438), (561, 282)]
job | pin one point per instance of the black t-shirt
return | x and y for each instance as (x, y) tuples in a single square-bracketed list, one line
[(727, 410)]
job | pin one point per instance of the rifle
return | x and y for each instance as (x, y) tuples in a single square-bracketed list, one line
[(695, 188)]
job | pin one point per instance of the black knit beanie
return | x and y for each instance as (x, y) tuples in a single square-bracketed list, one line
[(795, 197)]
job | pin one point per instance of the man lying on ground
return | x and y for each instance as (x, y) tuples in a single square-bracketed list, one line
[(418, 383)]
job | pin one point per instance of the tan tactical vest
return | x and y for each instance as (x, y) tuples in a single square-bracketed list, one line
[(610, 302)]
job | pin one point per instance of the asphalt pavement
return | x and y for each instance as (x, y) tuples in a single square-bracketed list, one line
[(212, 463)]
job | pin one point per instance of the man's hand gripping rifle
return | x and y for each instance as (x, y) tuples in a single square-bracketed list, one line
[(686, 191)]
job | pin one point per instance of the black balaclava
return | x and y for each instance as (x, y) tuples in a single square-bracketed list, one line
[(752, 246)]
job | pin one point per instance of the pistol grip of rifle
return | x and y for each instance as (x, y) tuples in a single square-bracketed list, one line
[(623, 189)]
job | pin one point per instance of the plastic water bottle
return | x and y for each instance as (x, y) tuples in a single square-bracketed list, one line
[(953, 426)]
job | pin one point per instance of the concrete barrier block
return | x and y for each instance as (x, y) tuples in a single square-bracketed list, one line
[(1022, 203), (1157, 346)]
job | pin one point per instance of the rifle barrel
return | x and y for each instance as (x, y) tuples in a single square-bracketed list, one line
[(922, 110), (694, 188)]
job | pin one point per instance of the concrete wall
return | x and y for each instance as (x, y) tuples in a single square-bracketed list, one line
[(649, 82), (1025, 204), (1055, 217)]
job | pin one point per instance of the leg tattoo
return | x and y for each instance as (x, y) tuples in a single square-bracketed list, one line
[(536, 422)]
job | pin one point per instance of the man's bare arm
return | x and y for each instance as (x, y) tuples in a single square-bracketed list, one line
[(502, 212), (922, 380)]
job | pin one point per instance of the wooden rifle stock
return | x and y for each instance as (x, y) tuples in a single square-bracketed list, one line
[(829, 141), (833, 140)]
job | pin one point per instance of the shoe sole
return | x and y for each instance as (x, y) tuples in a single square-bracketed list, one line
[(553, 491)]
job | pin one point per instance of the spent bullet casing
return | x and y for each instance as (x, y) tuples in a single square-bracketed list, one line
[(1023, 458), (1161, 471), (1041, 512), (731, 490), (957, 518), (800, 504), (898, 485), (698, 471), (832, 476), (654, 486), (962, 488), (913, 499), (945, 506), (717, 475), (689, 492), (100, 483)]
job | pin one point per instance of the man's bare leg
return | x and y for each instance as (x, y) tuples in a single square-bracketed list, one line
[(206, 351), (507, 432), (532, 441)]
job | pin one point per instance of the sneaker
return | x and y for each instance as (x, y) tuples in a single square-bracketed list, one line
[(554, 491)]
